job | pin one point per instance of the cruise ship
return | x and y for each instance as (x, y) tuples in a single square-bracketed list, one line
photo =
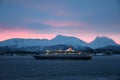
[(68, 54)]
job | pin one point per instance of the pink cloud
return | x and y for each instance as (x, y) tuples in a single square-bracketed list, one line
[(2, 27), (18, 32), (63, 23), (53, 23), (21, 33)]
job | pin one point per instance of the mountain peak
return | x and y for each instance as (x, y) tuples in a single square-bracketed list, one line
[(102, 37), (69, 40), (101, 42), (64, 36), (59, 36)]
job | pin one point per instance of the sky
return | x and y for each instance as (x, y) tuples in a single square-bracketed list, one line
[(84, 19)]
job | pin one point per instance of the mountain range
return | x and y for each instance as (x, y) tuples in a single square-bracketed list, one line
[(59, 40)]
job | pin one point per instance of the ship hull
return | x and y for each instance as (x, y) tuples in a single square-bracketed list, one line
[(39, 57)]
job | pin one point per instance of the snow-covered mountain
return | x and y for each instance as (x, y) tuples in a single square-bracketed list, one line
[(58, 40), (18, 42), (44, 42), (68, 40), (101, 42)]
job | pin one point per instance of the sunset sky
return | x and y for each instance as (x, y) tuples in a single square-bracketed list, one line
[(84, 19)]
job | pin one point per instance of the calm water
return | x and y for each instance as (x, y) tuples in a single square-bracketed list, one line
[(27, 68)]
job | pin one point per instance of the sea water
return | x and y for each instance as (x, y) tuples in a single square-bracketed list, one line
[(27, 68)]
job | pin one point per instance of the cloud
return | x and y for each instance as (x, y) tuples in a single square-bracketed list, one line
[(63, 23), (3, 28), (22, 33), (58, 24)]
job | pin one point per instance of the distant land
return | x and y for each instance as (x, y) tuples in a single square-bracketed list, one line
[(60, 39), (19, 45)]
